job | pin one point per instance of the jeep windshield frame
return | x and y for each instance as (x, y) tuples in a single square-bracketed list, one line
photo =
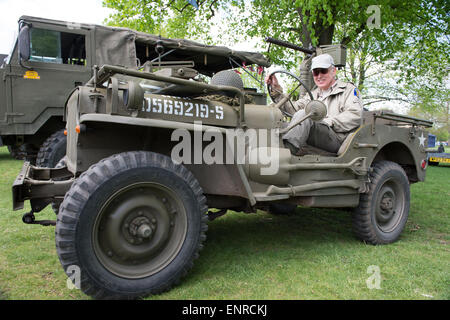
[(208, 59)]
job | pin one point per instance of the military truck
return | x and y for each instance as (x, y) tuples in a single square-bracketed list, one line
[(152, 155), (50, 58)]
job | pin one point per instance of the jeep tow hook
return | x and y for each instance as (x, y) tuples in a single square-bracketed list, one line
[(29, 218)]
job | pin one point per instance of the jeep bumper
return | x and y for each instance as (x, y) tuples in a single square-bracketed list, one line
[(41, 186)]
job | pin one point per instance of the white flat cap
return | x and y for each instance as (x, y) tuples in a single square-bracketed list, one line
[(322, 61)]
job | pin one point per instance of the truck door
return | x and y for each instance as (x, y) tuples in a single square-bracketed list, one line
[(60, 60)]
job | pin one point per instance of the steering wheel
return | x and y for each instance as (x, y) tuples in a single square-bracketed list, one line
[(269, 87)]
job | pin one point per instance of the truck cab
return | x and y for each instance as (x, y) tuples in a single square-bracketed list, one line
[(34, 86)]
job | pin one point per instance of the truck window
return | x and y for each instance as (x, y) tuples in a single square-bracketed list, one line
[(57, 47)]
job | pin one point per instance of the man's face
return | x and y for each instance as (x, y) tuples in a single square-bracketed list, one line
[(324, 78)]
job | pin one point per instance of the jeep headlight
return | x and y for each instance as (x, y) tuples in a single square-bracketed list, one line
[(133, 96)]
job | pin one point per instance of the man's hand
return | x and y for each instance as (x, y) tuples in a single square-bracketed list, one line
[(274, 84)]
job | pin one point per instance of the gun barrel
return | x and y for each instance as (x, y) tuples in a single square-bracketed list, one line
[(288, 45)]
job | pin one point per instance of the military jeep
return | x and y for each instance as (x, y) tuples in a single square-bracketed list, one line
[(148, 154)]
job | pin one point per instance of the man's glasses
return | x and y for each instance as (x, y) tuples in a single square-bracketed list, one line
[(318, 71)]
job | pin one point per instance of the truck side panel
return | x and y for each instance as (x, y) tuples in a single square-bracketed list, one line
[(3, 85)]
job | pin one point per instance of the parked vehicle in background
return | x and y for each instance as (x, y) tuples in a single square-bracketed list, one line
[(436, 156)]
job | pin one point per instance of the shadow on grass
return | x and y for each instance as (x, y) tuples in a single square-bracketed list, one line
[(6, 156), (3, 295), (305, 225), (238, 238)]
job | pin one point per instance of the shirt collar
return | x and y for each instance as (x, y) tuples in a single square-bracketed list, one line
[(325, 93)]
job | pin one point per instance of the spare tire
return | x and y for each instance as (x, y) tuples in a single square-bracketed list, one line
[(227, 78)]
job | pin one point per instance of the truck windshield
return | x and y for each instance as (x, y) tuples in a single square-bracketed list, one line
[(3, 59), (57, 47)]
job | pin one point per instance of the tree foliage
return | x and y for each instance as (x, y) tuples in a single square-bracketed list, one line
[(415, 33), (411, 40)]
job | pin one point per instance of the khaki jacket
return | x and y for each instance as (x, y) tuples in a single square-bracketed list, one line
[(344, 107)]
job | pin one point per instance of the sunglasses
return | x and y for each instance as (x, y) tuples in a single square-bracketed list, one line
[(318, 71)]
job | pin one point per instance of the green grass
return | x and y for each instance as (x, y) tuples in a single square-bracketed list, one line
[(309, 255)]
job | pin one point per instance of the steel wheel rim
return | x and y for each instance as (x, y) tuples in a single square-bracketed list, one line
[(139, 230), (390, 206)]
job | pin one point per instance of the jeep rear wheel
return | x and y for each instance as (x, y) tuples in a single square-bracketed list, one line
[(383, 211), (52, 150), (133, 223)]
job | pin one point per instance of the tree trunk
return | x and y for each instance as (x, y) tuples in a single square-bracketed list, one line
[(306, 35), (326, 35), (362, 72)]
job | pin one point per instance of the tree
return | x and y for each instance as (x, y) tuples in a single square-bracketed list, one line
[(417, 29), (432, 101), (408, 39)]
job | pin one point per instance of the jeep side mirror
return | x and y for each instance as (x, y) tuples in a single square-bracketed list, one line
[(24, 43)]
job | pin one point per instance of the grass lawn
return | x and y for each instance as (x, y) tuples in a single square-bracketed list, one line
[(309, 255)]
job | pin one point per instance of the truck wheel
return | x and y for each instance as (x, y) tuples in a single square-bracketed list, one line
[(383, 211), (133, 224), (14, 152), (19, 152), (52, 150)]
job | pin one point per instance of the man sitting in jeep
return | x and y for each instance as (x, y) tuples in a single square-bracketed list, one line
[(344, 109)]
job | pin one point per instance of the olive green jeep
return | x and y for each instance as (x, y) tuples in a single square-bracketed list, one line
[(150, 152)]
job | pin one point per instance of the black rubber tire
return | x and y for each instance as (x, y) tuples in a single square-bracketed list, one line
[(75, 227), (52, 150), (388, 181), (282, 208), (16, 153)]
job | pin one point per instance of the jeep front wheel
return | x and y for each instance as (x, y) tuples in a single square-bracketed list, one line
[(383, 210), (133, 223)]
